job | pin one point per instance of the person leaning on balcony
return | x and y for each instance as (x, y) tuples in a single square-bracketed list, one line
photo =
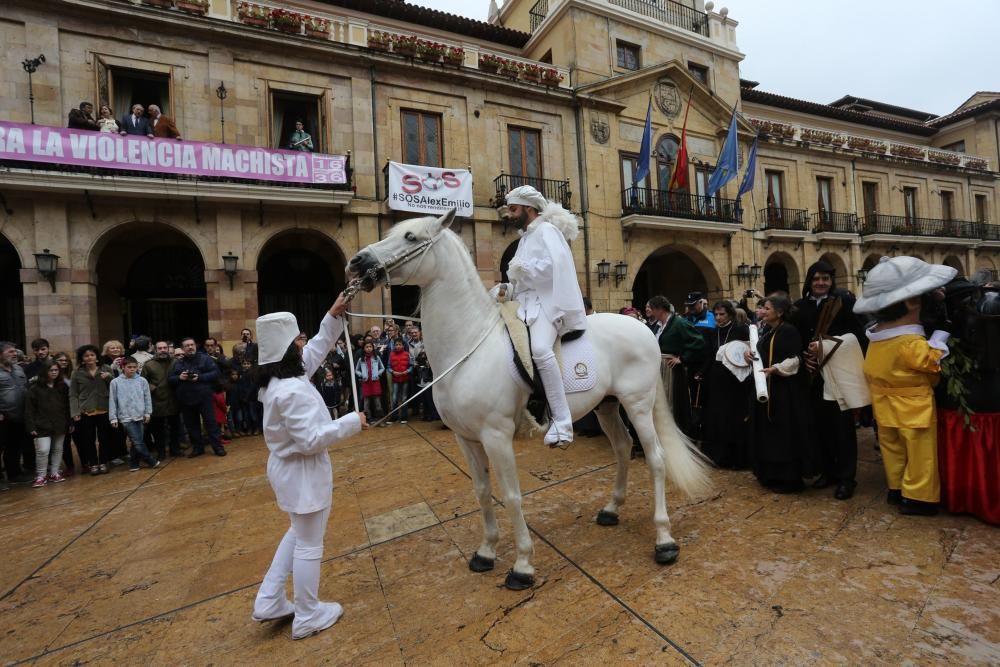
[(83, 118), (300, 139), (107, 122), (163, 126), (136, 123)]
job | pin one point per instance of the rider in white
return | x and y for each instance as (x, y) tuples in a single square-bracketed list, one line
[(544, 283)]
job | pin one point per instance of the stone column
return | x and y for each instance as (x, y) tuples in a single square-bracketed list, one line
[(49, 314), (228, 312)]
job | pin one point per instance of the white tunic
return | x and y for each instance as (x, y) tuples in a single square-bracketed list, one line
[(543, 278), (298, 430)]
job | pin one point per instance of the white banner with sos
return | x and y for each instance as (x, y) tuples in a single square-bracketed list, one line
[(433, 190)]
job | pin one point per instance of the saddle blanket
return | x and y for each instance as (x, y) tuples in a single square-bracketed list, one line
[(576, 359)]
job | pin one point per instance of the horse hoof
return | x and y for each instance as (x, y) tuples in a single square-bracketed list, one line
[(667, 553), (518, 582), (480, 564), (606, 518)]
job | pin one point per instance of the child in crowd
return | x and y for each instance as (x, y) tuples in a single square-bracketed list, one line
[(232, 402), (369, 371), (329, 389), (222, 414), (247, 416), (401, 364), (131, 405), (46, 416), (424, 374), (901, 368)]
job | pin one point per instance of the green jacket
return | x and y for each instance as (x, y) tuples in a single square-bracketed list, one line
[(681, 338), (156, 372), (89, 394)]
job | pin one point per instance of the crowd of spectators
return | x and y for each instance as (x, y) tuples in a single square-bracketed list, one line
[(146, 121)]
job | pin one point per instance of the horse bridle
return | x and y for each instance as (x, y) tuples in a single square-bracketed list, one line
[(389, 264)]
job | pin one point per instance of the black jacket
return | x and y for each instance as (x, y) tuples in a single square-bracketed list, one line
[(193, 392), (141, 126)]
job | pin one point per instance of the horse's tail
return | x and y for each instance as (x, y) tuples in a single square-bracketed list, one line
[(686, 466)]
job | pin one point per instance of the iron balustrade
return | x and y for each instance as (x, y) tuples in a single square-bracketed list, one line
[(538, 13), (773, 217), (831, 221), (900, 225), (988, 232), (679, 204), (550, 188), (668, 11)]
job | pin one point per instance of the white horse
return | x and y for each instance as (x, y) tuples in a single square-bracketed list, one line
[(484, 405)]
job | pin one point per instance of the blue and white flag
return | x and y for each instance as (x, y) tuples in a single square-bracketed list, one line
[(748, 178), (642, 164), (728, 165)]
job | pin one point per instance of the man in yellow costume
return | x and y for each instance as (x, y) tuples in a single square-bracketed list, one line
[(902, 367)]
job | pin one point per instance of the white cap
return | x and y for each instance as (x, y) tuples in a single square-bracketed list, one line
[(896, 279), (275, 332), (526, 195)]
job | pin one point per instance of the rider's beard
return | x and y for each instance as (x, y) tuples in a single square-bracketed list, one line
[(520, 220)]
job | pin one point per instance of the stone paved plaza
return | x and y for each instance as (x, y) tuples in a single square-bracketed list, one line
[(161, 567)]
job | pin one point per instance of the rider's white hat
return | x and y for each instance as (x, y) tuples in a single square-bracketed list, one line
[(526, 195), (896, 279), (275, 332)]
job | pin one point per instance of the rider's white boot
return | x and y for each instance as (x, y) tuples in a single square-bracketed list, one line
[(560, 431)]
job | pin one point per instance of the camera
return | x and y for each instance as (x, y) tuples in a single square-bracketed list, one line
[(747, 294)]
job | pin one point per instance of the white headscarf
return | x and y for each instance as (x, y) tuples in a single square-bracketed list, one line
[(526, 195)]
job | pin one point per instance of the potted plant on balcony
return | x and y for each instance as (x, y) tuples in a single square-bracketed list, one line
[(976, 163), (199, 7), (531, 72), (317, 27), (944, 158), (404, 45), (454, 56), (511, 68), (159, 3), (251, 14), (286, 21), (489, 62), (429, 51), (551, 77), (379, 40)]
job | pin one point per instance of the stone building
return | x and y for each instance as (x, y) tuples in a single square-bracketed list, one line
[(553, 93)]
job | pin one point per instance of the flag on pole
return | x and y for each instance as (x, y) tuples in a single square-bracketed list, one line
[(748, 178), (642, 164), (728, 166), (679, 178)]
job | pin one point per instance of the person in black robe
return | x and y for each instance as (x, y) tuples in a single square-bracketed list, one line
[(726, 400), (685, 348), (835, 428), (782, 449)]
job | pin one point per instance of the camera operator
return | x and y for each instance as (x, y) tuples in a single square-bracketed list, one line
[(193, 377), (245, 349)]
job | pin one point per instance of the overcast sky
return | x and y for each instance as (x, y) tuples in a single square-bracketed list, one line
[(924, 54)]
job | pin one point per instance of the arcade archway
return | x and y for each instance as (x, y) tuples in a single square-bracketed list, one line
[(841, 275), (673, 272), (508, 255), (781, 275), (11, 294), (300, 271), (955, 263), (151, 281)]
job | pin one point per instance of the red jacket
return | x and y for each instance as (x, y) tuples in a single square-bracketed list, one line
[(399, 362)]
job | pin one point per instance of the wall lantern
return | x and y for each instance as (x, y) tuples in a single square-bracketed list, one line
[(221, 93), (47, 264), (229, 266), (621, 270), (603, 271)]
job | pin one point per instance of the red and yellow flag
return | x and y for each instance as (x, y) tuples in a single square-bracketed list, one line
[(679, 177)]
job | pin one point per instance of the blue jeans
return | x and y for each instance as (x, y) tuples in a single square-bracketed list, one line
[(136, 431), (399, 393)]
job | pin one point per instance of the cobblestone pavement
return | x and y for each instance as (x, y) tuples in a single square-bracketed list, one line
[(160, 567)]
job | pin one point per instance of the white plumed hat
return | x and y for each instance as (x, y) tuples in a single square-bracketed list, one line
[(896, 279), (275, 332)]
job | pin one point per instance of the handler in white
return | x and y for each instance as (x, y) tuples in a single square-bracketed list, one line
[(298, 430), (544, 283)]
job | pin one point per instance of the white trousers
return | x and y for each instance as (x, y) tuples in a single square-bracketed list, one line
[(48, 454), (543, 338), (299, 554)]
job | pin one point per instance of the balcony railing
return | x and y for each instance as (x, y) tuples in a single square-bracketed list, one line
[(550, 188), (668, 11), (831, 221), (773, 217), (907, 226), (538, 13), (988, 232), (670, 204)]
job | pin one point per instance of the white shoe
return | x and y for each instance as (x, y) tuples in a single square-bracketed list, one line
[(279, 611), (558, 437), (327, 614)]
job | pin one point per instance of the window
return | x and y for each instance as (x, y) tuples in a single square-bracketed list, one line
[(824, 197), (869, 192), (525, 153), (288, 108), (636, 193), (982, 213), (628, 55), (547, 58), (775, 192), (666, 154), (947, 205), (131, 86), (422, 138), (958, 146), (699, 72), (706, 204), (910, 204)]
